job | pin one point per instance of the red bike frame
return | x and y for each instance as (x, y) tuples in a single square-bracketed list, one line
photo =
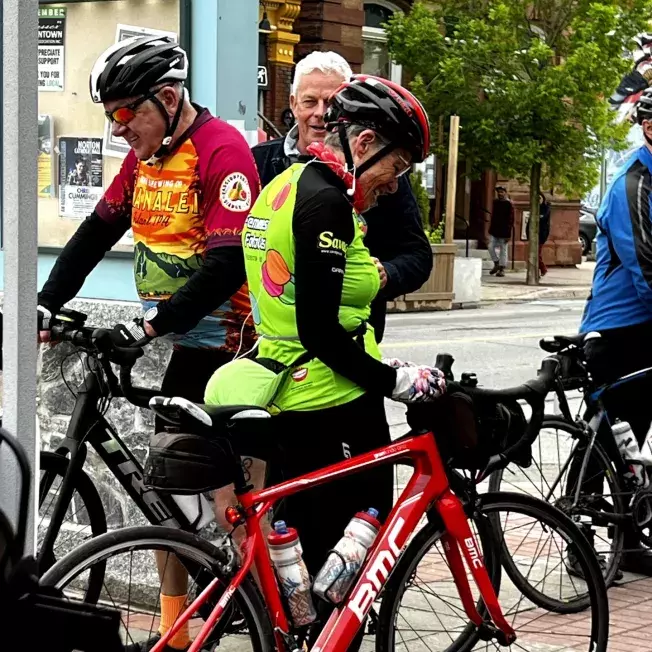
[(428, 487)]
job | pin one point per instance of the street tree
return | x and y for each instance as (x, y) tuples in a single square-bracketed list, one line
[(529, 82)]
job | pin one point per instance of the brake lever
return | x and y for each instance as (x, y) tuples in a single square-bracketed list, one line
[(120, 355), (495, 463)]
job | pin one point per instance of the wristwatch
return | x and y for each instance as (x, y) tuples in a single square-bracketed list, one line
[(151, 314)]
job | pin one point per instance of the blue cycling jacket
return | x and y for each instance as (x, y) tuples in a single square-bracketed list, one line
[(621, 294)]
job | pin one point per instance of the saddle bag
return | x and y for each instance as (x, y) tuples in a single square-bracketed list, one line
[(469, 428), (187, 464)]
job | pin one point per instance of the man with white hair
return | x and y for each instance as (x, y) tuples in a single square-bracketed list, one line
[(395, 237)]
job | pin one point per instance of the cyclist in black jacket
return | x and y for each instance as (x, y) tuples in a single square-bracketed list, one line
[(395, 236)]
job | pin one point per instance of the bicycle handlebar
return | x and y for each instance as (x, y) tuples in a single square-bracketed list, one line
[(533, 392), (99, 340)]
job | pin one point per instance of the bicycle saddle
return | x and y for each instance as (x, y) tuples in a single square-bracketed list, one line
[(175, 410)]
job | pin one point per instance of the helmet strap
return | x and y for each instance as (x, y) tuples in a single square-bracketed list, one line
[(170, 128), (346, 148), (374, 158)]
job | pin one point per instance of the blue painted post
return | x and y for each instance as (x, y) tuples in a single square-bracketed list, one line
[(224, 60)]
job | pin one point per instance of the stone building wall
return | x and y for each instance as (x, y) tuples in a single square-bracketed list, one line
[(134, 425)]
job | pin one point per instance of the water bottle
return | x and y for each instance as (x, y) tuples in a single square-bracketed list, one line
[(286, 554), (345, 560), (630, 452)]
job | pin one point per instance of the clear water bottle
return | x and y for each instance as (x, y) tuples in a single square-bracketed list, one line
[(630, 452), (286, 554), (344, 562)]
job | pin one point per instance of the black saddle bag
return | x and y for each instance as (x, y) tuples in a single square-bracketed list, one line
[(187, 464), (470, 428)]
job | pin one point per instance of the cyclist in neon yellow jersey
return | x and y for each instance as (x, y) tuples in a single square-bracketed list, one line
[(311, 282)]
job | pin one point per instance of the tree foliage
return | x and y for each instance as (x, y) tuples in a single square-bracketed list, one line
[(421, 195), (528, 80)]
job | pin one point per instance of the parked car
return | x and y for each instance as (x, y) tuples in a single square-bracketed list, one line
[(588, 230)]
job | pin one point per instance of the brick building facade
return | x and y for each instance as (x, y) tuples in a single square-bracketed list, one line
[(353, 29)]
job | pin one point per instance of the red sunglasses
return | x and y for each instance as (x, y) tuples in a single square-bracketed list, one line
[(123, 115)]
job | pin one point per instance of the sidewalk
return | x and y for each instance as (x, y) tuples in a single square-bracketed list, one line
[(558, 283)]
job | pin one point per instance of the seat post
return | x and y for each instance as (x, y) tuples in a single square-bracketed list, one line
[(240, 484)]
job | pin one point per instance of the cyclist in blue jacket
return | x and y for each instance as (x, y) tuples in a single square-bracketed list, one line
[(618, 314)]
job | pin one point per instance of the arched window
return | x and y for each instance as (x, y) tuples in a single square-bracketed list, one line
[(374, 40)]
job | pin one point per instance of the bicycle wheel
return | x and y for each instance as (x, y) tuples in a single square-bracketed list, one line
[(535, 628), (434, 585), (557, 455), (84, 517), (132, 584)]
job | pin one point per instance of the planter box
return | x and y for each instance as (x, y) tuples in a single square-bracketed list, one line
[(437, 292)]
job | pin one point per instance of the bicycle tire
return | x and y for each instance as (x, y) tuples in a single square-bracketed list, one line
[(549, 515), (616, 492), (84, 487), (486, 505), (406, 567), (183, 544)]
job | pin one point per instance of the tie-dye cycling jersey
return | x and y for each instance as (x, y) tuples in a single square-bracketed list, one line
[(193, 200)]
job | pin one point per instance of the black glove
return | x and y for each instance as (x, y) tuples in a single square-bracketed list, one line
[(130, 335)]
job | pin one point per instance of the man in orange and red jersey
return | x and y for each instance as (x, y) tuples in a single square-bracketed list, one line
[(185, 189)]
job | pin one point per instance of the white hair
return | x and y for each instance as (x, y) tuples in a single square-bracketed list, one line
[(327, 62)]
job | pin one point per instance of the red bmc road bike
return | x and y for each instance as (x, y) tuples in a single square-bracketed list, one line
[(465, 523)]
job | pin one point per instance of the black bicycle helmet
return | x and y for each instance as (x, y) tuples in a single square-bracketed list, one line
[(136, 65), (385, 107), (643, 108)]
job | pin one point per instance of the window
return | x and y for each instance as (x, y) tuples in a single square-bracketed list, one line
[(374, 40), (77, 156)]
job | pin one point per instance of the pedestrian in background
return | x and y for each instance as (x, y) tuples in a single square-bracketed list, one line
[(544, 230), (500, 230)]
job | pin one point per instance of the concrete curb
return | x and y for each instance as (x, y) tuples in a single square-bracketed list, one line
[(540, 294)]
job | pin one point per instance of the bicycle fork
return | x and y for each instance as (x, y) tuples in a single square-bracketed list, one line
[(459, 536)]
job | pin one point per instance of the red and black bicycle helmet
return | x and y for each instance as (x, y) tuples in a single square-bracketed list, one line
[(385, 107)]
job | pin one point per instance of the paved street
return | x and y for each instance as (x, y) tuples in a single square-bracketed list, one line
[(498, 343)]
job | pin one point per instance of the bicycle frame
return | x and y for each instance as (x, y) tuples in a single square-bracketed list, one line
[(88, 426), (599, 428), (428, 488)]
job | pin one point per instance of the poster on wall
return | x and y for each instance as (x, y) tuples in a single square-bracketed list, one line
[(114, 145), (80, 176), (46, 170), (51, 33)]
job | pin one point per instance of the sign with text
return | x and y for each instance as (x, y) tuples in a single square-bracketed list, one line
[(51, 35), (46, 169), (80, 176)]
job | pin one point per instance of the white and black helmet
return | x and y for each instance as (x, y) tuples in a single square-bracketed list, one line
[(136, 65), (643, 109)]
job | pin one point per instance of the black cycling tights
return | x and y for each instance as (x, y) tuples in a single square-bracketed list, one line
[(312, 440)]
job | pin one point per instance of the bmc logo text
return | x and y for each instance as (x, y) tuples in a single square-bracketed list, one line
[(375, 577), (473, 552)]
